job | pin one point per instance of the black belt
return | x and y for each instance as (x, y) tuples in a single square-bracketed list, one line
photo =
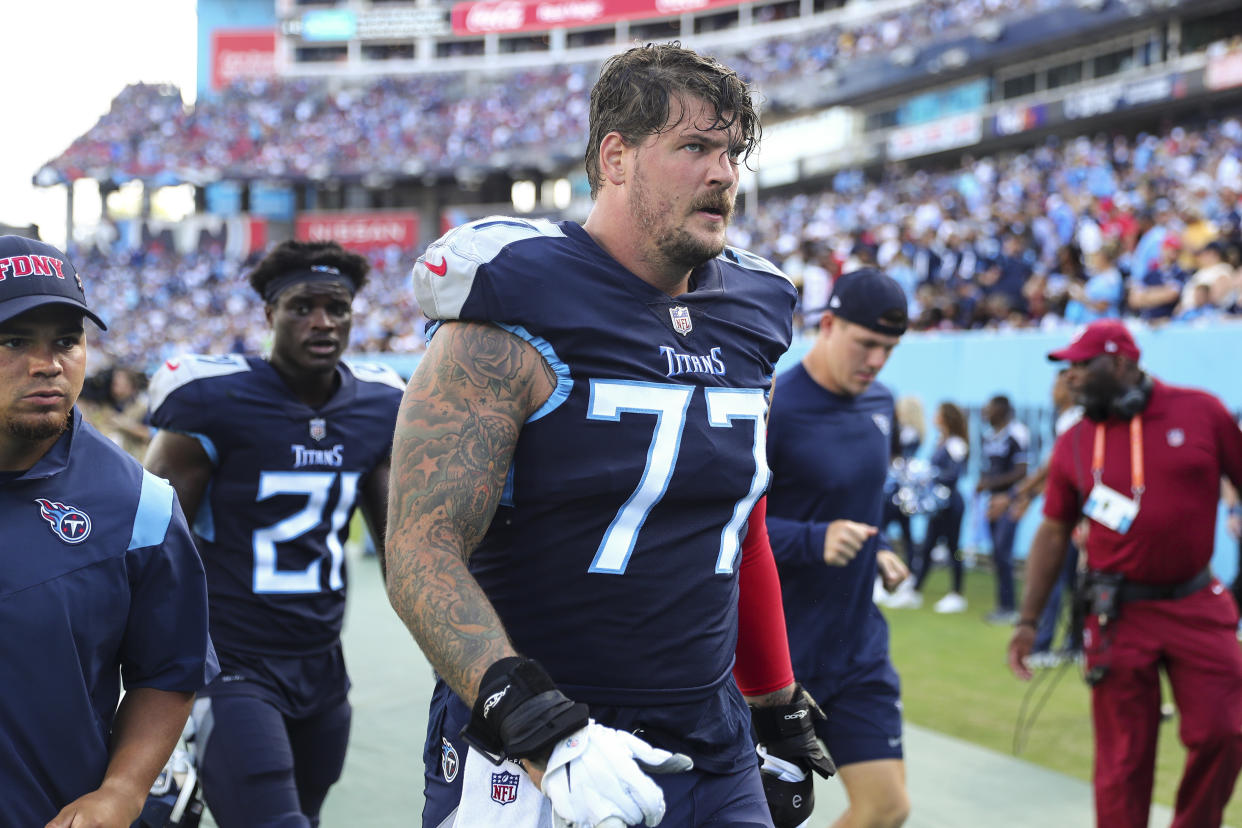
[(1134, 591)]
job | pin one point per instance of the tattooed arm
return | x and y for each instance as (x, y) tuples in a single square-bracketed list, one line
[(456, 433)]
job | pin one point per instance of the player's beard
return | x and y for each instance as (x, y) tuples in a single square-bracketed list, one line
[(37, 430), (674, 244)]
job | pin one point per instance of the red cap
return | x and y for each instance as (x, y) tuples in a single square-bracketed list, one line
[(1103, 336)]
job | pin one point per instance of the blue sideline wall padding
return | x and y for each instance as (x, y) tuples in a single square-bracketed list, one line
[(968, 367)]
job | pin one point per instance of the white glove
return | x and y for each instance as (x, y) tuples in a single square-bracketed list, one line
[(594, 775)]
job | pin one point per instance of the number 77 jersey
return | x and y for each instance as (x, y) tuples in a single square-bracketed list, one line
[(613, 556), (285, 482)]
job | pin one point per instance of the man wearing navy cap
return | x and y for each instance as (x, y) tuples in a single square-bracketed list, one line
[(829, 445), (99, 578), (1143, 467)]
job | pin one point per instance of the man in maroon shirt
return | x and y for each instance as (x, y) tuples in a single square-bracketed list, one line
[(1144, 467)]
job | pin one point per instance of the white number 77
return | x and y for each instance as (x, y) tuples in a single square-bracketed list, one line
[(669, 403)]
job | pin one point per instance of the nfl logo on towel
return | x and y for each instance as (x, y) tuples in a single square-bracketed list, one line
[(681, 319), (504, 787)]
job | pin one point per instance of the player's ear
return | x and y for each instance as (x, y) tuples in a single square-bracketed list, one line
[(614, 158), (269, 310)]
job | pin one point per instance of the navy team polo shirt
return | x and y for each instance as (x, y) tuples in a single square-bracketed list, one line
[(99, 581)]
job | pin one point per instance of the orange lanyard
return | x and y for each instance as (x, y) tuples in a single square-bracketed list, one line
[(1136, 456)]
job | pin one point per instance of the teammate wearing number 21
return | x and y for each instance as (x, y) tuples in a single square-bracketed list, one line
[(269, 458), (577, 461)]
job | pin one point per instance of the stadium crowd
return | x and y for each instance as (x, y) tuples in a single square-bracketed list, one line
[(304, 128), (1067, 232), (161, 303), (1064, 233)]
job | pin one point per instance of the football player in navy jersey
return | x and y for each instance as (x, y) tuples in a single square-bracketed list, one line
[(829, 446), (270, 457), (1005, 447), (99, 579), (576, 473)]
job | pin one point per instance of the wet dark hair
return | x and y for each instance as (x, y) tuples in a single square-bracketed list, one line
[(290, 256), (636, 88)]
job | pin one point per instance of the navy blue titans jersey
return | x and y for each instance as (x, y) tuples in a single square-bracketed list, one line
[(1005, 448), (613, 558), (829, 455), (286, 480), (97, 570)]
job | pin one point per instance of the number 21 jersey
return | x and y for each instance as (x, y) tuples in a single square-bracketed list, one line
[(286, 479)]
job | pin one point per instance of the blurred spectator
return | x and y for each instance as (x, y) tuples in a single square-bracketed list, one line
[(907, 437), (1215, 274), (1201, 306), (945, 525), (1102, 293), (115, 402), (1155, 294)]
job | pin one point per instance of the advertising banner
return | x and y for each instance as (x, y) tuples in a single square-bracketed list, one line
[(361, 232), (539, 15), (241, 54)]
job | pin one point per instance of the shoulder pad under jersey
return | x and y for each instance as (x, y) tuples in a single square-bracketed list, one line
[(444, 275), (184, 369), (750, 261), (375, 372)]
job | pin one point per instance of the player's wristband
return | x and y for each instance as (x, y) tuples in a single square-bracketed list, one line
[(519, 713), (787, 731)]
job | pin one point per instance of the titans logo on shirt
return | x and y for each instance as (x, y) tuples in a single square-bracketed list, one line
[(70, 525)]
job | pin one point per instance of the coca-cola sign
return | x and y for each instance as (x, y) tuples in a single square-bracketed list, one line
[(361, 232), (495, 17), (486, 16), (241, 55)]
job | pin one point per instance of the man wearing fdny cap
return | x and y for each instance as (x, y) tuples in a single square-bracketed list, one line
[(829, 446), (99, 578), (1143, 467)]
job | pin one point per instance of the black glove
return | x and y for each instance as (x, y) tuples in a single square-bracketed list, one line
[(519, 713), (787, 731)]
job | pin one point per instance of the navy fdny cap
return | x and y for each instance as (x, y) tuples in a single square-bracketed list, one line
[(33, 274), (870, 298)]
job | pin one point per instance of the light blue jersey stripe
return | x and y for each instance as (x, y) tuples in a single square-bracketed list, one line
[(155, 505)]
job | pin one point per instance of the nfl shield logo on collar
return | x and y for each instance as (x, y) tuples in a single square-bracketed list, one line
[(681, 319), (318, 428), (504, 787), (70, 524)]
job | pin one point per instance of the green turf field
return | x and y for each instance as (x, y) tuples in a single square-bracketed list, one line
[(955, 681)]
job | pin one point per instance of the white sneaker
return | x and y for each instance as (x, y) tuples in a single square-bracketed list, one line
[(879, 594), (906, 597), (953, 602)]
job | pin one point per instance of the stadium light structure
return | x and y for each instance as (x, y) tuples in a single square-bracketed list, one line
[(523, 195)]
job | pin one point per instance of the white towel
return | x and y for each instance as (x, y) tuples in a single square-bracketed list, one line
[(499, 795)]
